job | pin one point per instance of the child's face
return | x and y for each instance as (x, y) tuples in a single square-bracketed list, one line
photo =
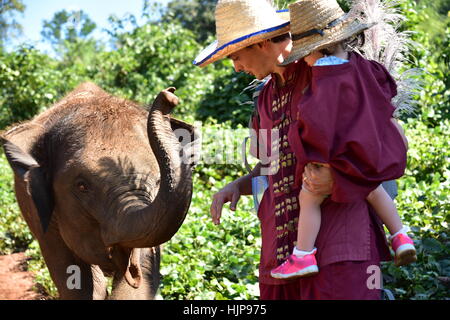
[(313, 57)]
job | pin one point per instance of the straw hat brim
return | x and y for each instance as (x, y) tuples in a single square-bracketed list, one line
[(306, 46), (213, 53)]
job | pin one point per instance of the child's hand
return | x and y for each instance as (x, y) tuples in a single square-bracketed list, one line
[(317, 178), (313, 57)]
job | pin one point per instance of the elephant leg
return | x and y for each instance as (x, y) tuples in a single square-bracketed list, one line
[(149, 283), (72, 276)]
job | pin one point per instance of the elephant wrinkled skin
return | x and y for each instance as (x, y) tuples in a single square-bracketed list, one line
[(102, 183)]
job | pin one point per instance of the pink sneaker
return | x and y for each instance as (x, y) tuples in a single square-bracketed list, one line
[(295, 266), (405, 252)]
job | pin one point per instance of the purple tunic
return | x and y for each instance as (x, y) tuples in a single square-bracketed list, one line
[(344, 119), (347, 229)]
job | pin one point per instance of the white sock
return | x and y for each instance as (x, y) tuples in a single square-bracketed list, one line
[(403, 230), (300, 253)]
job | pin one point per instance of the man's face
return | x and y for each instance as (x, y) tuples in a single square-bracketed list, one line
[(254, 60)]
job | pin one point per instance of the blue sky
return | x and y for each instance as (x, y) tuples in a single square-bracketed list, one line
[(98, 10)]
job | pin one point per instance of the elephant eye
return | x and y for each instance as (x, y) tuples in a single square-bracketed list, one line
[(82, 186)]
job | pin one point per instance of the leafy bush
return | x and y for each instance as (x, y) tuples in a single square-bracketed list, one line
[(424, 191), (204, 261), (431, 52), (225, 99), (28, 84), (425, 188), (36, 265), (428, 277), (424, 203), (14, 233), (150, 58)]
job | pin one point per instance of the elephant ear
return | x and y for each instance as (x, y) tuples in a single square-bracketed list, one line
[(190, 140), (26, 168)]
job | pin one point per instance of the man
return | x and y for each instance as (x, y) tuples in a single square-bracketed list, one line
[(251, 34)]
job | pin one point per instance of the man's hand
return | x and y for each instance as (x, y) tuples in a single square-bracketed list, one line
[(317, 178), (228, 193)]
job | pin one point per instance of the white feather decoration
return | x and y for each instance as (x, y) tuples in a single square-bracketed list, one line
[(386, 44)]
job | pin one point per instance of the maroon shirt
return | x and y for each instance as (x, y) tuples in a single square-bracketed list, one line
[(345, 229), (344, 119)]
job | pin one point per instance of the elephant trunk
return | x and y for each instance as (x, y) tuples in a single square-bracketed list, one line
[(156, 222)]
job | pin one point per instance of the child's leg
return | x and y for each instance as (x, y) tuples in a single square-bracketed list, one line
[(302, 262), (309, 220), (385, 209), (402, 244)]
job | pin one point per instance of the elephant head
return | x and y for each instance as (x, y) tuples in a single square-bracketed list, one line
[(105, 173)]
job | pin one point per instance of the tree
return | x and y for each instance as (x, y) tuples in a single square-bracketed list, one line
[(199, 15), (68, 26), (29, 82), (195, 15), (9, 27), (69, 33)]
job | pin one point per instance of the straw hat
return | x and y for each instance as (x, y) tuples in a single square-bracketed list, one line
[(317, 24), (241, 23)]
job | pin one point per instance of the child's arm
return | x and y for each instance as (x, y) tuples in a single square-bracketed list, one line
[(401, 131)]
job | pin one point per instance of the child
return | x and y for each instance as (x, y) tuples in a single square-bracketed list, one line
[(344, 122)]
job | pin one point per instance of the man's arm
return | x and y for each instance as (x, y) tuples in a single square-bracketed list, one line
[(232, 192)]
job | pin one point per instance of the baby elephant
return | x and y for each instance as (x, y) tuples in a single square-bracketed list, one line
[(102, 183)]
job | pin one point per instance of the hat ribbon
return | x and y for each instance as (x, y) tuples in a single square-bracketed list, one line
[(311, 32)]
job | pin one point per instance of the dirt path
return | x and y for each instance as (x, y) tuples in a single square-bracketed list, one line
[(15, 282)]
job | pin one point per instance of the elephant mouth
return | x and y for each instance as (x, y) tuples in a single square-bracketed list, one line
[(128, 264)]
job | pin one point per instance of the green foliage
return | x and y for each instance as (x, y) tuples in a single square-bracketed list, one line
[(430, 31), (14, 233), (226, 99), (149, 59), (157, 55), (44, 283), (69, 33), (9, 27), (195, 15), (424, 191), (283, 4), (68, 26), (204, 261), (429, 166), (424, 203), (223, 260), (28, 83), (427, 279)]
